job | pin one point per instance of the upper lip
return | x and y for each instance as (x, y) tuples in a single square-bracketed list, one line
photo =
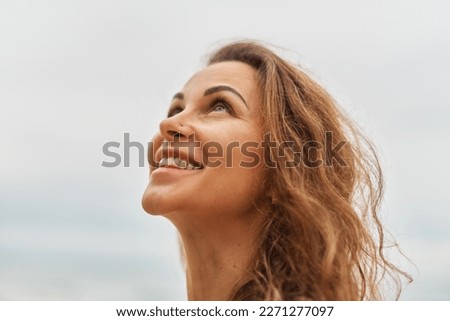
[(171, 152)]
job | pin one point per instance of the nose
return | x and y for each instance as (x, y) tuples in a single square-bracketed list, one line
[(175, 127)]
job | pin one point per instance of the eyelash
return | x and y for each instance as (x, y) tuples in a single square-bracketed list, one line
[(214, 103), (173, 111), (223, 102)]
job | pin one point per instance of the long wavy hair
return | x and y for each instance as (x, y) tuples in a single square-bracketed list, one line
[(322, 238)]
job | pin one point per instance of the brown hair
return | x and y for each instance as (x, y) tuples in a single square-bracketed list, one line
[(322, 238)]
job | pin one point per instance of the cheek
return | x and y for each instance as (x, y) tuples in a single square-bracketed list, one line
[(229, 192), (238, 182)]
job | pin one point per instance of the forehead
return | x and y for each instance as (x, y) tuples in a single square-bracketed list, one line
[(235, 74)]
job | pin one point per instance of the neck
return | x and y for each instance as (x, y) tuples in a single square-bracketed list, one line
[(217, 255)]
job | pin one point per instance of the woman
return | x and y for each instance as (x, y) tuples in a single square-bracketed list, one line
[(274, 193)]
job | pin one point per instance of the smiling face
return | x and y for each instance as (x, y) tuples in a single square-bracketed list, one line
[(205, 133)]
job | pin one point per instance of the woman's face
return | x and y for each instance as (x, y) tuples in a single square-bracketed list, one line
[(210, 124)]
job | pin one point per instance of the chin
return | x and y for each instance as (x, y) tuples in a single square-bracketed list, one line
[(160, 201), (151, 202)]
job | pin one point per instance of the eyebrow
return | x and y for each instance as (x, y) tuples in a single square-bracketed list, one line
[(214, 90)]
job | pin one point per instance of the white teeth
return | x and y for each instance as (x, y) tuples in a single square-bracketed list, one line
[(163, 162), (180, 163), (176, 161)]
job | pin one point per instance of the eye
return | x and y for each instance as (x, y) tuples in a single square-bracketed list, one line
[(221, 106), (173, 111)]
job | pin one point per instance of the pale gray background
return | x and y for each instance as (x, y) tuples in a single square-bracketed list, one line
[(76, 74)]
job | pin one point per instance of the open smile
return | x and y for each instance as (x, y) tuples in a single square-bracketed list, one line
[(177, 162)]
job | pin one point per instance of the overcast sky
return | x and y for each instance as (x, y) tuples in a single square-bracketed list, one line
[(77, 74)]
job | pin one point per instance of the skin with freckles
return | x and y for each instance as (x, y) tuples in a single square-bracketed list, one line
[(215, 209)]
